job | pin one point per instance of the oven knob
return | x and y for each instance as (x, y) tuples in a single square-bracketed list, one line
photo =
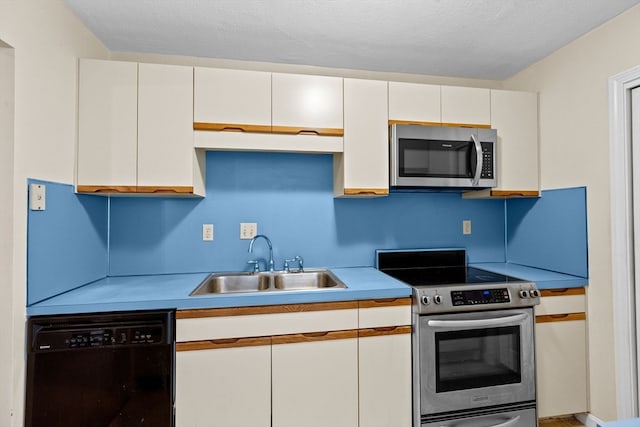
[(437, 299), (425, 299), (533, 293), (524, 294)]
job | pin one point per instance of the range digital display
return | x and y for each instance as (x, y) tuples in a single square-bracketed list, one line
[(480, 296)]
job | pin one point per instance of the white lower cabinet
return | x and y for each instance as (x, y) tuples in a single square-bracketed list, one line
[(228, 387), (384, 363), (340, 364), (315, 383), (561, 353), (385, 379)]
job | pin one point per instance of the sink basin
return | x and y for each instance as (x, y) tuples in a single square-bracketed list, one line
[(320, 279), (225, 283)]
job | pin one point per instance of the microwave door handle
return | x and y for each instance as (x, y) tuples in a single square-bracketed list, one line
[(476, 178), (475, 323), (510, 422)]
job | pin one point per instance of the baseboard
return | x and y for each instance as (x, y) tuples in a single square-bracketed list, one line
[(589, 420)]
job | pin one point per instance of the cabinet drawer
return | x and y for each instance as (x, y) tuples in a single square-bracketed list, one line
[(559, 301), (387, 312), (238, 323)]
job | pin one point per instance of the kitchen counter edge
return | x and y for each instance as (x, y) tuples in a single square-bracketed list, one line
[(149, 292)]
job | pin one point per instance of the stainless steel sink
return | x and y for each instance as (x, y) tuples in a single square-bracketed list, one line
[(320, 279), (225, 283)]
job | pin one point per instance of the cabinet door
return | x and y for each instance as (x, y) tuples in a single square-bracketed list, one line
[(107, 125), (363, 167), (228, 387), (413, 102), (232, 99), (165, 128), (515, 116), (385, 377), (315, 383), (561, 368), (306, 103), (465, 105)]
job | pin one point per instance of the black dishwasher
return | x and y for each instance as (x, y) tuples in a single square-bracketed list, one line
[(101, 370)]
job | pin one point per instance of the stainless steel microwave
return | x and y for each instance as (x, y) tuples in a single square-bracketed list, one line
[(432, 156)]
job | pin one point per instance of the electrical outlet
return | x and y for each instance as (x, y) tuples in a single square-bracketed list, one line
[(207, 232), (466, 226), (248, 230), (37, 197)]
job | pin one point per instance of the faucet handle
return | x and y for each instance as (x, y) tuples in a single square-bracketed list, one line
[(298, 258), (256, 265)]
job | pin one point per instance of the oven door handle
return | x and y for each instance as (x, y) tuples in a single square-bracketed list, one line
[(510, 422), (476, 323), (478, 146)]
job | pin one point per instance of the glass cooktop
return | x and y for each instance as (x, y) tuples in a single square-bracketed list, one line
[(433, 268)]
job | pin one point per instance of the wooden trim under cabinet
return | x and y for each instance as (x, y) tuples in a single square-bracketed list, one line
[(232, 127), (132, 189), (106, 189), (387, 302), (314, 336), (222, 343), (500, 194), (294, 130), (561, 292), (377, 332), (547, 318), (366, 191), (150, 189), (266, 309), (457, 125)]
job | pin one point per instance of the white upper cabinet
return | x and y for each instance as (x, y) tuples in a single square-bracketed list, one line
[(250, 110), (363, 168), (166, 156), (302, 103), (514, 115), (414, 103), (135, 130), (232, 99), (465, 106), (107, 124)]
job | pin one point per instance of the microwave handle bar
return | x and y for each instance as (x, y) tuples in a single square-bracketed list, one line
[(476, 178), (475, 323), (510, 422)]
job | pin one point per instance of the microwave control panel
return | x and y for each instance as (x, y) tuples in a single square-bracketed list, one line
[(487, 160)]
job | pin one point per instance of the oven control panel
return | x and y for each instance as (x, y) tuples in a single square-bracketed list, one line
[(480, 296)]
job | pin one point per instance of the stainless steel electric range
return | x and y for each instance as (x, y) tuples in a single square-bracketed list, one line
[(473, 345)]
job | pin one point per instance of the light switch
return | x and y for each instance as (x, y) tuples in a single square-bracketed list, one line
[(37, 197), (466, 226)]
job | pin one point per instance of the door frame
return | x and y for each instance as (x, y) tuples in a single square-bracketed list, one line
[(622, 255)]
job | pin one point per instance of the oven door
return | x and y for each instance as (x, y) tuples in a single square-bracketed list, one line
[(475, 360)]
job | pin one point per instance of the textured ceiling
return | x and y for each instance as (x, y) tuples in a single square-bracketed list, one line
[(488, 39)]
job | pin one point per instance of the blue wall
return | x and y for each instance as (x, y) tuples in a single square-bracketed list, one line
[(290, 196), (66, 243), (550, 232), (81, 238)]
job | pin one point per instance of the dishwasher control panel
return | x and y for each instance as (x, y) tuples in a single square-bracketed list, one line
[(99, 337)]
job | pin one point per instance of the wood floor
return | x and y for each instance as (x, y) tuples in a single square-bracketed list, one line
[(559, 422)]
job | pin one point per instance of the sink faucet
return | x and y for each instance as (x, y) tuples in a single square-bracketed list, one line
[(270, 248)]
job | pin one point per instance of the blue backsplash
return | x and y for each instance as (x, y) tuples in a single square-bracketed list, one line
[(66, 243), (550, 232), (290, 196), (82, 238)]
